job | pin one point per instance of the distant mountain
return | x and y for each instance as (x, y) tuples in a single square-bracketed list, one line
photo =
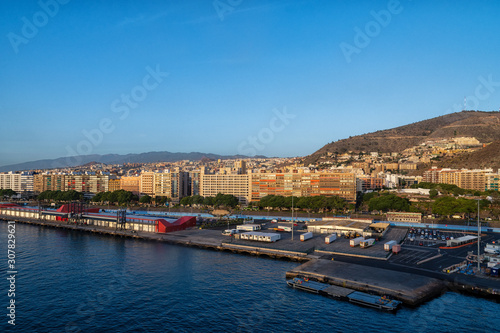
[(484, 126), (72, 161)]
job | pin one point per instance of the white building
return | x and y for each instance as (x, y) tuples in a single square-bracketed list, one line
[(18, 182)]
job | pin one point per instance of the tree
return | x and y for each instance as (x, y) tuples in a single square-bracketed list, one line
[(433, 193), (145, 199), (388, 202), (7, 192), (445, 206)]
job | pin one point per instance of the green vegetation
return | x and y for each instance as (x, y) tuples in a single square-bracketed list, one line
[(453, 189), (145, 199), (60, 196), (121, 197), (220, 200), (314, 203), (7, 192), (448, 206), (388, 202)]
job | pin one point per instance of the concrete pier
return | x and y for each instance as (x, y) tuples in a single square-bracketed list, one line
[(408, 288), (206, 239)]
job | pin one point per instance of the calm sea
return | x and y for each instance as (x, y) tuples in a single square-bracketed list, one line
[(75, 282)]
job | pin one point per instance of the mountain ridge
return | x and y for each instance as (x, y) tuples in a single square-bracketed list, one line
[(148, 157)]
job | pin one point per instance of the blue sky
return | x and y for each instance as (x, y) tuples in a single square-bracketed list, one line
[(276, 78)]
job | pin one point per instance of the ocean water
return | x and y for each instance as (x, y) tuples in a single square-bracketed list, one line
[(76, 282)]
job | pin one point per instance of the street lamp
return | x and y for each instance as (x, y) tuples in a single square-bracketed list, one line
[(478, 238), (292, 216)]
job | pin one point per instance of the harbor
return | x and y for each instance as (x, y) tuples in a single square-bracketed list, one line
[(412, 277)]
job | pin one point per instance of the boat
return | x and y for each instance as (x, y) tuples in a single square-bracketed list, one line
[(337, 292), (373, 301), (310, 286)]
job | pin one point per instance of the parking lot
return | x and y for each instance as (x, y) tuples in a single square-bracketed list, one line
[(430, 237)]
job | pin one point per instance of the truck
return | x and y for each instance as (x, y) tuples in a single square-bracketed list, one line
[(396, 248), (367, 242), (305, 236), (248, 227), (230, 232), (388, 246), (356, 241), (284, 228), (330, 238)]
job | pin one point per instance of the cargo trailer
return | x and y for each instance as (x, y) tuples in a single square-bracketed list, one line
[(396, 248), (331, 238), (367, 242), (356, 241), (388, 246), (248, 227), (306, 236)]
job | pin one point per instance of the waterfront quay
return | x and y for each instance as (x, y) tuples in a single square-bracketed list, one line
[(371, 270)]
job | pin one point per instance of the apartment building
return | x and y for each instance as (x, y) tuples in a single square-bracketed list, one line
[(303, 184), (87, 183), (130, 183), (235, 184), (173, 184), (49, 182), (146, 183), (18, 182), (479, 179), (114, 183)]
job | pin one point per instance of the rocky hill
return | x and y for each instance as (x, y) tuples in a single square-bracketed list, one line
[(484, 126), (488, 157)]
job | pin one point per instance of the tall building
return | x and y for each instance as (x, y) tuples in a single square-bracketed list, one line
[(49, 182), (87, 183), (173, 184), (130, 183), (194, 183), (18, 182), (479, 180), (146, 183), (212, 184), (114, 183), (303, 184)]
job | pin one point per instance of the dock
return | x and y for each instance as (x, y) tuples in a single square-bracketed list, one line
[(410, 289), (204, 239), (341, 293)]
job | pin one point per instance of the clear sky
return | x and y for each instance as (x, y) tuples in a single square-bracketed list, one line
[(277, 78)]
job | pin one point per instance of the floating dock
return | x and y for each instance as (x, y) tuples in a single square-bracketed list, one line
[(356, 297), (408, 288)]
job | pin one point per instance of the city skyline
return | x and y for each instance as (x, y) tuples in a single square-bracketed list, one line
[(234, 77)]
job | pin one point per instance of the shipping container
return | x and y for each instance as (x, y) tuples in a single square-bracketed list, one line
[(396, 248), (356, 241), (306, 236), (388, 246), (260, 236), (248, 227), (367, 242), (331, 238)]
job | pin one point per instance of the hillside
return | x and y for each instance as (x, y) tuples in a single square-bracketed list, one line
[(488, 157), (484, 126)]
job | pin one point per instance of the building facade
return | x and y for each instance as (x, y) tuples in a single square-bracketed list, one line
[(303, 184)]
